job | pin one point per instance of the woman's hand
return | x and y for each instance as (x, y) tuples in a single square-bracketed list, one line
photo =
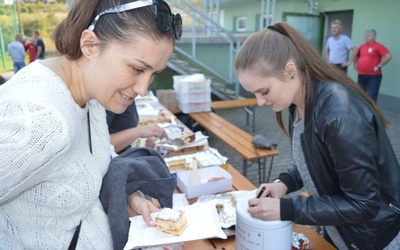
[(152, 131), (138, 205), (267, 207), (274, 190)]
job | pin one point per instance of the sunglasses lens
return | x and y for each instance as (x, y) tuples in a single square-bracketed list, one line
[(164, 19), (178, 26)]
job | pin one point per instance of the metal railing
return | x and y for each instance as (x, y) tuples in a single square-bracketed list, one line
[(204, 27)]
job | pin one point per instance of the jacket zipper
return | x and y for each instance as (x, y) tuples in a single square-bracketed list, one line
[(394, 207)]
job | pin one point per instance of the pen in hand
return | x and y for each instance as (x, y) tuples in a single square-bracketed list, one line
[(261, 192)]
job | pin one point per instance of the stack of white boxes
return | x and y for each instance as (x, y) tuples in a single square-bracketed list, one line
[(193, 93)]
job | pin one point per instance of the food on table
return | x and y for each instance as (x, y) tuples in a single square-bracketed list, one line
[(188, 137), (216, 179), (181, 164), (300, 242), (219, 207), (171, 221)]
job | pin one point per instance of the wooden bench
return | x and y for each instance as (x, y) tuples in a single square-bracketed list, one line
[(247, 104), (238, 140), (237, 103)]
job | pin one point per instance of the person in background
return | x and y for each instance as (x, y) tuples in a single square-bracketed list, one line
[(55, 145), (39, 45), (124, 129), (17, 52), (370, 59), (30, 48), (342, 155), (339, 46)]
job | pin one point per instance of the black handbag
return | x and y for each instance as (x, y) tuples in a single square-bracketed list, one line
[(74, 240), (261, 141)]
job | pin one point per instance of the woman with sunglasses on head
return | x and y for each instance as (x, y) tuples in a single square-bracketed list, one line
[(342, 154), (55, 145)]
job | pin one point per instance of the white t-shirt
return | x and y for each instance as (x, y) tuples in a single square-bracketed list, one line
[(339, 48), (50, 180)]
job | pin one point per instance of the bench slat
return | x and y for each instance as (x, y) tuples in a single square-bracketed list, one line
[(237, 103), (233, 136), (219, 130)]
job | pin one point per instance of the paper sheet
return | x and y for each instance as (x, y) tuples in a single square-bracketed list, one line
[(203, 223)]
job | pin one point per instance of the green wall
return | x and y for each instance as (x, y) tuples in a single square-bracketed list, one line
[(383, 17)]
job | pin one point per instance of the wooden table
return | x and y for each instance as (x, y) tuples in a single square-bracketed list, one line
[(239, 182)]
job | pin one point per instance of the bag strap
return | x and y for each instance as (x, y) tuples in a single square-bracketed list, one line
[(74, 240)]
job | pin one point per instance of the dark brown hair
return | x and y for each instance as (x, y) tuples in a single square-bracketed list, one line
[(266, 53), (119, 27)]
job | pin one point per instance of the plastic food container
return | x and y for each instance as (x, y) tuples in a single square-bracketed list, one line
[(256, 234), (206, 186)]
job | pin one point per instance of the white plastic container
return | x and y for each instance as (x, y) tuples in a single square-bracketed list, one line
[(189, 83), (194, 107), (198, 96), (256, 234), (205, 187)]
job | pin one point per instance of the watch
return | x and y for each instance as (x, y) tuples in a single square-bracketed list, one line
[(277, 181), (379, 66)]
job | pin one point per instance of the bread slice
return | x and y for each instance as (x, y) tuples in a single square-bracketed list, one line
[(171, 221)]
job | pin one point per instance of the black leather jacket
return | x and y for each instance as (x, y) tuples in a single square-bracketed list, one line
[(353, 166)]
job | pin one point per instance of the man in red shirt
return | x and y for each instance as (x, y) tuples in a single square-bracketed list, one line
[(370, 59), (30, 48)]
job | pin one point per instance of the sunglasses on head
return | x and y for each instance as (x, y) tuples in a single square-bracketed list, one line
[(164, 17)]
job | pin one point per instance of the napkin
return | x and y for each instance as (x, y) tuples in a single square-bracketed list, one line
[(203, 223)]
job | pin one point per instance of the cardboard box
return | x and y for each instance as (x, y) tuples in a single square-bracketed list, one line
[(167, 97), (205, 187)]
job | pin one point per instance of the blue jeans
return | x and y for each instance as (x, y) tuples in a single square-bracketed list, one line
[(18, 66), (371, 84)]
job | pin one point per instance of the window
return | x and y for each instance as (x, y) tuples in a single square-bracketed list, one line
[(240, 24)]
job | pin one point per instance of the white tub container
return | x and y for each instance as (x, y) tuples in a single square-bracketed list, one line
[(256, 234)]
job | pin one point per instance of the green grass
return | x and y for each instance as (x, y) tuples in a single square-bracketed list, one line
[(8, 65)]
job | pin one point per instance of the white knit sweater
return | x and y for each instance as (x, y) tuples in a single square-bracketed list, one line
[(49, 180)]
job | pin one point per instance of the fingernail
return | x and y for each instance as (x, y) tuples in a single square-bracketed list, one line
[(152, 223)]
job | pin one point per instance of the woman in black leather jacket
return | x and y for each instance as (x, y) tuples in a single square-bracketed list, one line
[(342, 154)]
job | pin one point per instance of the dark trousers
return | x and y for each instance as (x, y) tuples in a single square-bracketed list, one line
[(339, 66), (371, 84)]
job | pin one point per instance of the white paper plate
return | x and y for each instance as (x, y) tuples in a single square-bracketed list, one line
[(203, 223)]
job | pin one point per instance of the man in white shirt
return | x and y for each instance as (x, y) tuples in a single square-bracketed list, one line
[(338, 47), (17, 52)]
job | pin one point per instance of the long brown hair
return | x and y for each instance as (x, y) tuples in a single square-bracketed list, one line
[(266, 53), (120, 27)]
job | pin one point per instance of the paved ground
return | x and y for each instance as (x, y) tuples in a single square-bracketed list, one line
[(266, 125)]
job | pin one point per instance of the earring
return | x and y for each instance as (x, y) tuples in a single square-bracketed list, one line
[(292, 76)]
